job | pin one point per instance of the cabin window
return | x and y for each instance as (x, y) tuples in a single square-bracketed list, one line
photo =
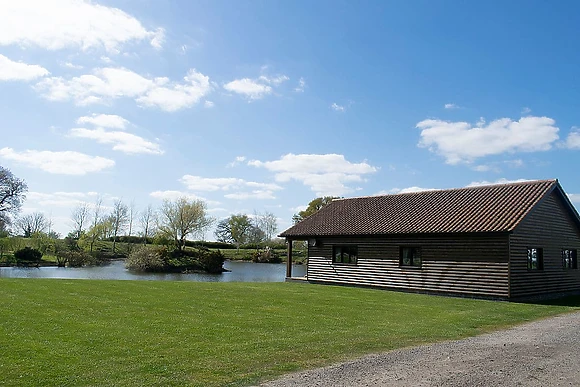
[(535, 258), (569, 259), (345, 254), (410, 256)]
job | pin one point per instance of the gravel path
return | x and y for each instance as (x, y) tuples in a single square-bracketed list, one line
[(541, 353)]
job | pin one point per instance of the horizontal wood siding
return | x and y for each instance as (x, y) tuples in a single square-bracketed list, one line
[(469, 264), (550, 227)]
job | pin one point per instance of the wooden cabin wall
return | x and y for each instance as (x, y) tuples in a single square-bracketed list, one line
[(468, 264), (550, 227)]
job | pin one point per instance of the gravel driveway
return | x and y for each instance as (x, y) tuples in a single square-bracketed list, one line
[(541, 353)]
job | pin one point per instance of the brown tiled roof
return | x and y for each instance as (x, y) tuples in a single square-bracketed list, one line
[(491, 208)]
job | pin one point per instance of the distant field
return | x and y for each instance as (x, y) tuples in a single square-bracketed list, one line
[(145, 333)]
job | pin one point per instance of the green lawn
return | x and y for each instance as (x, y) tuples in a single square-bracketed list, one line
[(88, 332)]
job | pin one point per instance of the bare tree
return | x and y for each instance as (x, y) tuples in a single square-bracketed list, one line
[(119, 218), (80, 217), (147, 220), (94, 234), (268, 223), (131, 216), (181, 218), (31, 224), (12, 194)]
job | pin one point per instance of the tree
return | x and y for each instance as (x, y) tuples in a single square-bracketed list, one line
[(182, 217), (31, 224), (313, 207), (147, 220), (256, 236), (268, 223), (119, 218), (131, 217), (95, 229), (12, 194), (79, 217), (235, 229)]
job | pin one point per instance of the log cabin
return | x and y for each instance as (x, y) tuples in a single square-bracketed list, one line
[(507, 241)]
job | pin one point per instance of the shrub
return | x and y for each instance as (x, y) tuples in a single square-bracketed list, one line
[(212, 261), (27, 254), (266, 255), (148, 259), (77, 258)]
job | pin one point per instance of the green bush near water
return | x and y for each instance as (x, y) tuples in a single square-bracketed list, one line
[(27, 255), (159, 259)]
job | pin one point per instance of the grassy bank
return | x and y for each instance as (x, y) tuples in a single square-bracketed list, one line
[(65, 332)]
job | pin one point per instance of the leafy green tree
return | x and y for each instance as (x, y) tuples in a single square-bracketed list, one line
[(313, 207), (236, 229), (180, 218)]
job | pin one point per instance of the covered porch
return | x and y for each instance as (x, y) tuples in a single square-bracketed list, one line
[(290, 261)]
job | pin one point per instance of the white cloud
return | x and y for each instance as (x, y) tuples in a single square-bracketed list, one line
[(208, 104), (326, 174), (105, 121), (462, 142), (121, 141), (395, 191), (526, 110), (500, 181), (158, 38), (301, 85), (106, 84), (274, 80), (178, 95), (237, 161), (337, 107), (60, 199), (574, 198), (64, 163), (298, 208), (174, 195), (483, 168), (18, 71), (256, 194), (573, 140), (80, 24), (237, 187), (249, 88), (73, 66), (198, 183), (451, 106)]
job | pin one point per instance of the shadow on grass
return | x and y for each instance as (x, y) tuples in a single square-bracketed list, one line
[(571, 301)]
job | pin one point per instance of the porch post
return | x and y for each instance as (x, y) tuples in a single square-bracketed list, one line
[(289, 259)]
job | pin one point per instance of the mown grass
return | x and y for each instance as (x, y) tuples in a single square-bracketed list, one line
[(143, 333)]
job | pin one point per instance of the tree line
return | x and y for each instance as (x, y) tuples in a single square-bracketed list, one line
[(174, 221)]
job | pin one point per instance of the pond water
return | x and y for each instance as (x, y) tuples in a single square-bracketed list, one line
[(239, 272)]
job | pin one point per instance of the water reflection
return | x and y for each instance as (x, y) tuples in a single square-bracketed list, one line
[(239, 272)]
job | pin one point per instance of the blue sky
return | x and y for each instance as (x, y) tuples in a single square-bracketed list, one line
[(265, 105)]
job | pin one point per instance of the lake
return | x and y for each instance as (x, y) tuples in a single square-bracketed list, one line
[(239, 272)]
